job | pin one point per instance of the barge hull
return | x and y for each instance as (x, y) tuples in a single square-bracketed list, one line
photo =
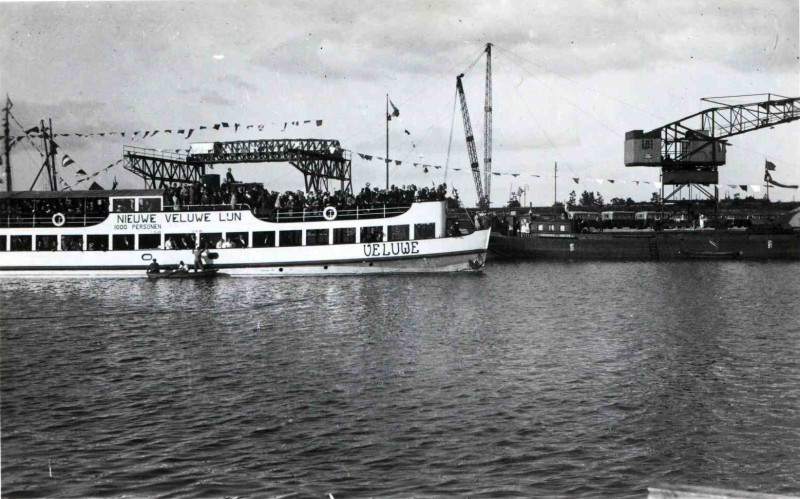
[(682, 245)]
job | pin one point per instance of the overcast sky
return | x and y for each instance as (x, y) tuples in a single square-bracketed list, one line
[(570, 78)]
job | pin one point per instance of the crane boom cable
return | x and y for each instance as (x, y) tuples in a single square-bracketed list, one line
[(450, 140)]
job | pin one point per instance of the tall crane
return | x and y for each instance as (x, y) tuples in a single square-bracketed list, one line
[(473, 153), (483, 195), (689, 151), (487, 128)]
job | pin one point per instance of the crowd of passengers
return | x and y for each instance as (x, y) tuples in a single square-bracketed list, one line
[(230, 194), (27, 209), (263, 201)]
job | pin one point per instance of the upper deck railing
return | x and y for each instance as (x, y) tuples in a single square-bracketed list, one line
[(71, 220)]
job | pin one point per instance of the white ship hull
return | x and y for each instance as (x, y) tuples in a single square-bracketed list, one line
[(437, 254)]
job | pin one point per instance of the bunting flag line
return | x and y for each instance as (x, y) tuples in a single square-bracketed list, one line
[(769, 181)]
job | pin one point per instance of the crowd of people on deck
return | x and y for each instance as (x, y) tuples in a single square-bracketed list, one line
[(230, 194), (25, 210), (263, 201)]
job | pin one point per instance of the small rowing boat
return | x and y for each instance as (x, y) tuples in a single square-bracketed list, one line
[(183, 274), (713, 255)]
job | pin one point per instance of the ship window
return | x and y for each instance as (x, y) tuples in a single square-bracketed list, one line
[(97, 242), (21, 243), (122, 242), (398, 233), (541, 227), (3, 241), (264, 239), (563, 228), (123, 205), (424, 231), (344, 236), (238, 239), (647, 144), (291, 237), (371, 234), (150, 204), (210, 239), (316, 237), (179, 241), (71, 243), (46, 243), (149, 241)]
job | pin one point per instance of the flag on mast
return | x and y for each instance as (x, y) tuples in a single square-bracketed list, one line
[(395, 111), (770, 166)]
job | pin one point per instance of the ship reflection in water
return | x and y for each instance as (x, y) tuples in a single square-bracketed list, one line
[(581, 379)]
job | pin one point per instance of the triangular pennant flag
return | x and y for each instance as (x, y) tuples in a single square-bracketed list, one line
[(122, 133), (769, 165), (66, 161), (496, 173), (191, 131), (32, 130), (285, 124), (743, 187), (515, 174), (236, 127), (53, 146), (80, 172), (103, 134), (154, 133), (437, 166), (636, 182), (216, 126), (575, 179), (397, 162), (224, 125), (203, 127), (368, 157), (249, 127), (457, 169), (362, 156), (96, 187), (407, 132), (306, 122), (182, 130), (610, 181), (146, 134), (319, 122), (114, 185), (260, 127), (395, 111)]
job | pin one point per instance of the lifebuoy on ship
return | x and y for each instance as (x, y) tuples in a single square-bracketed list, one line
[(330, 213), (59, 219)]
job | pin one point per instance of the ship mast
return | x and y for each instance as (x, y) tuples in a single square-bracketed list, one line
[(7, 143)]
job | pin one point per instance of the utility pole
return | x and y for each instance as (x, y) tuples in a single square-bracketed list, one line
[(555, 192), (7, 137)]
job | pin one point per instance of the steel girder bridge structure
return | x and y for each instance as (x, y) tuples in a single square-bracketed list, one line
[(320, 161), (689, 151)]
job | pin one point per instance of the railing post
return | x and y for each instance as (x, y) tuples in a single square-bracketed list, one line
[(356, 212), (384, 210)]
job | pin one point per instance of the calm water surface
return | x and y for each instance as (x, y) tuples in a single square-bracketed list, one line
[(534, 379)]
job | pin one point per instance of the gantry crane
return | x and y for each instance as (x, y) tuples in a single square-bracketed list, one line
[(691, 155), (483, 195)]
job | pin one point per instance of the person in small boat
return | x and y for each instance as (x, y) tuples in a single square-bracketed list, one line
[(154, 267), (182, 267), (198, 260)]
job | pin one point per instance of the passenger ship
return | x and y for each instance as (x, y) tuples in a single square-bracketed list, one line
[(119, 233)]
